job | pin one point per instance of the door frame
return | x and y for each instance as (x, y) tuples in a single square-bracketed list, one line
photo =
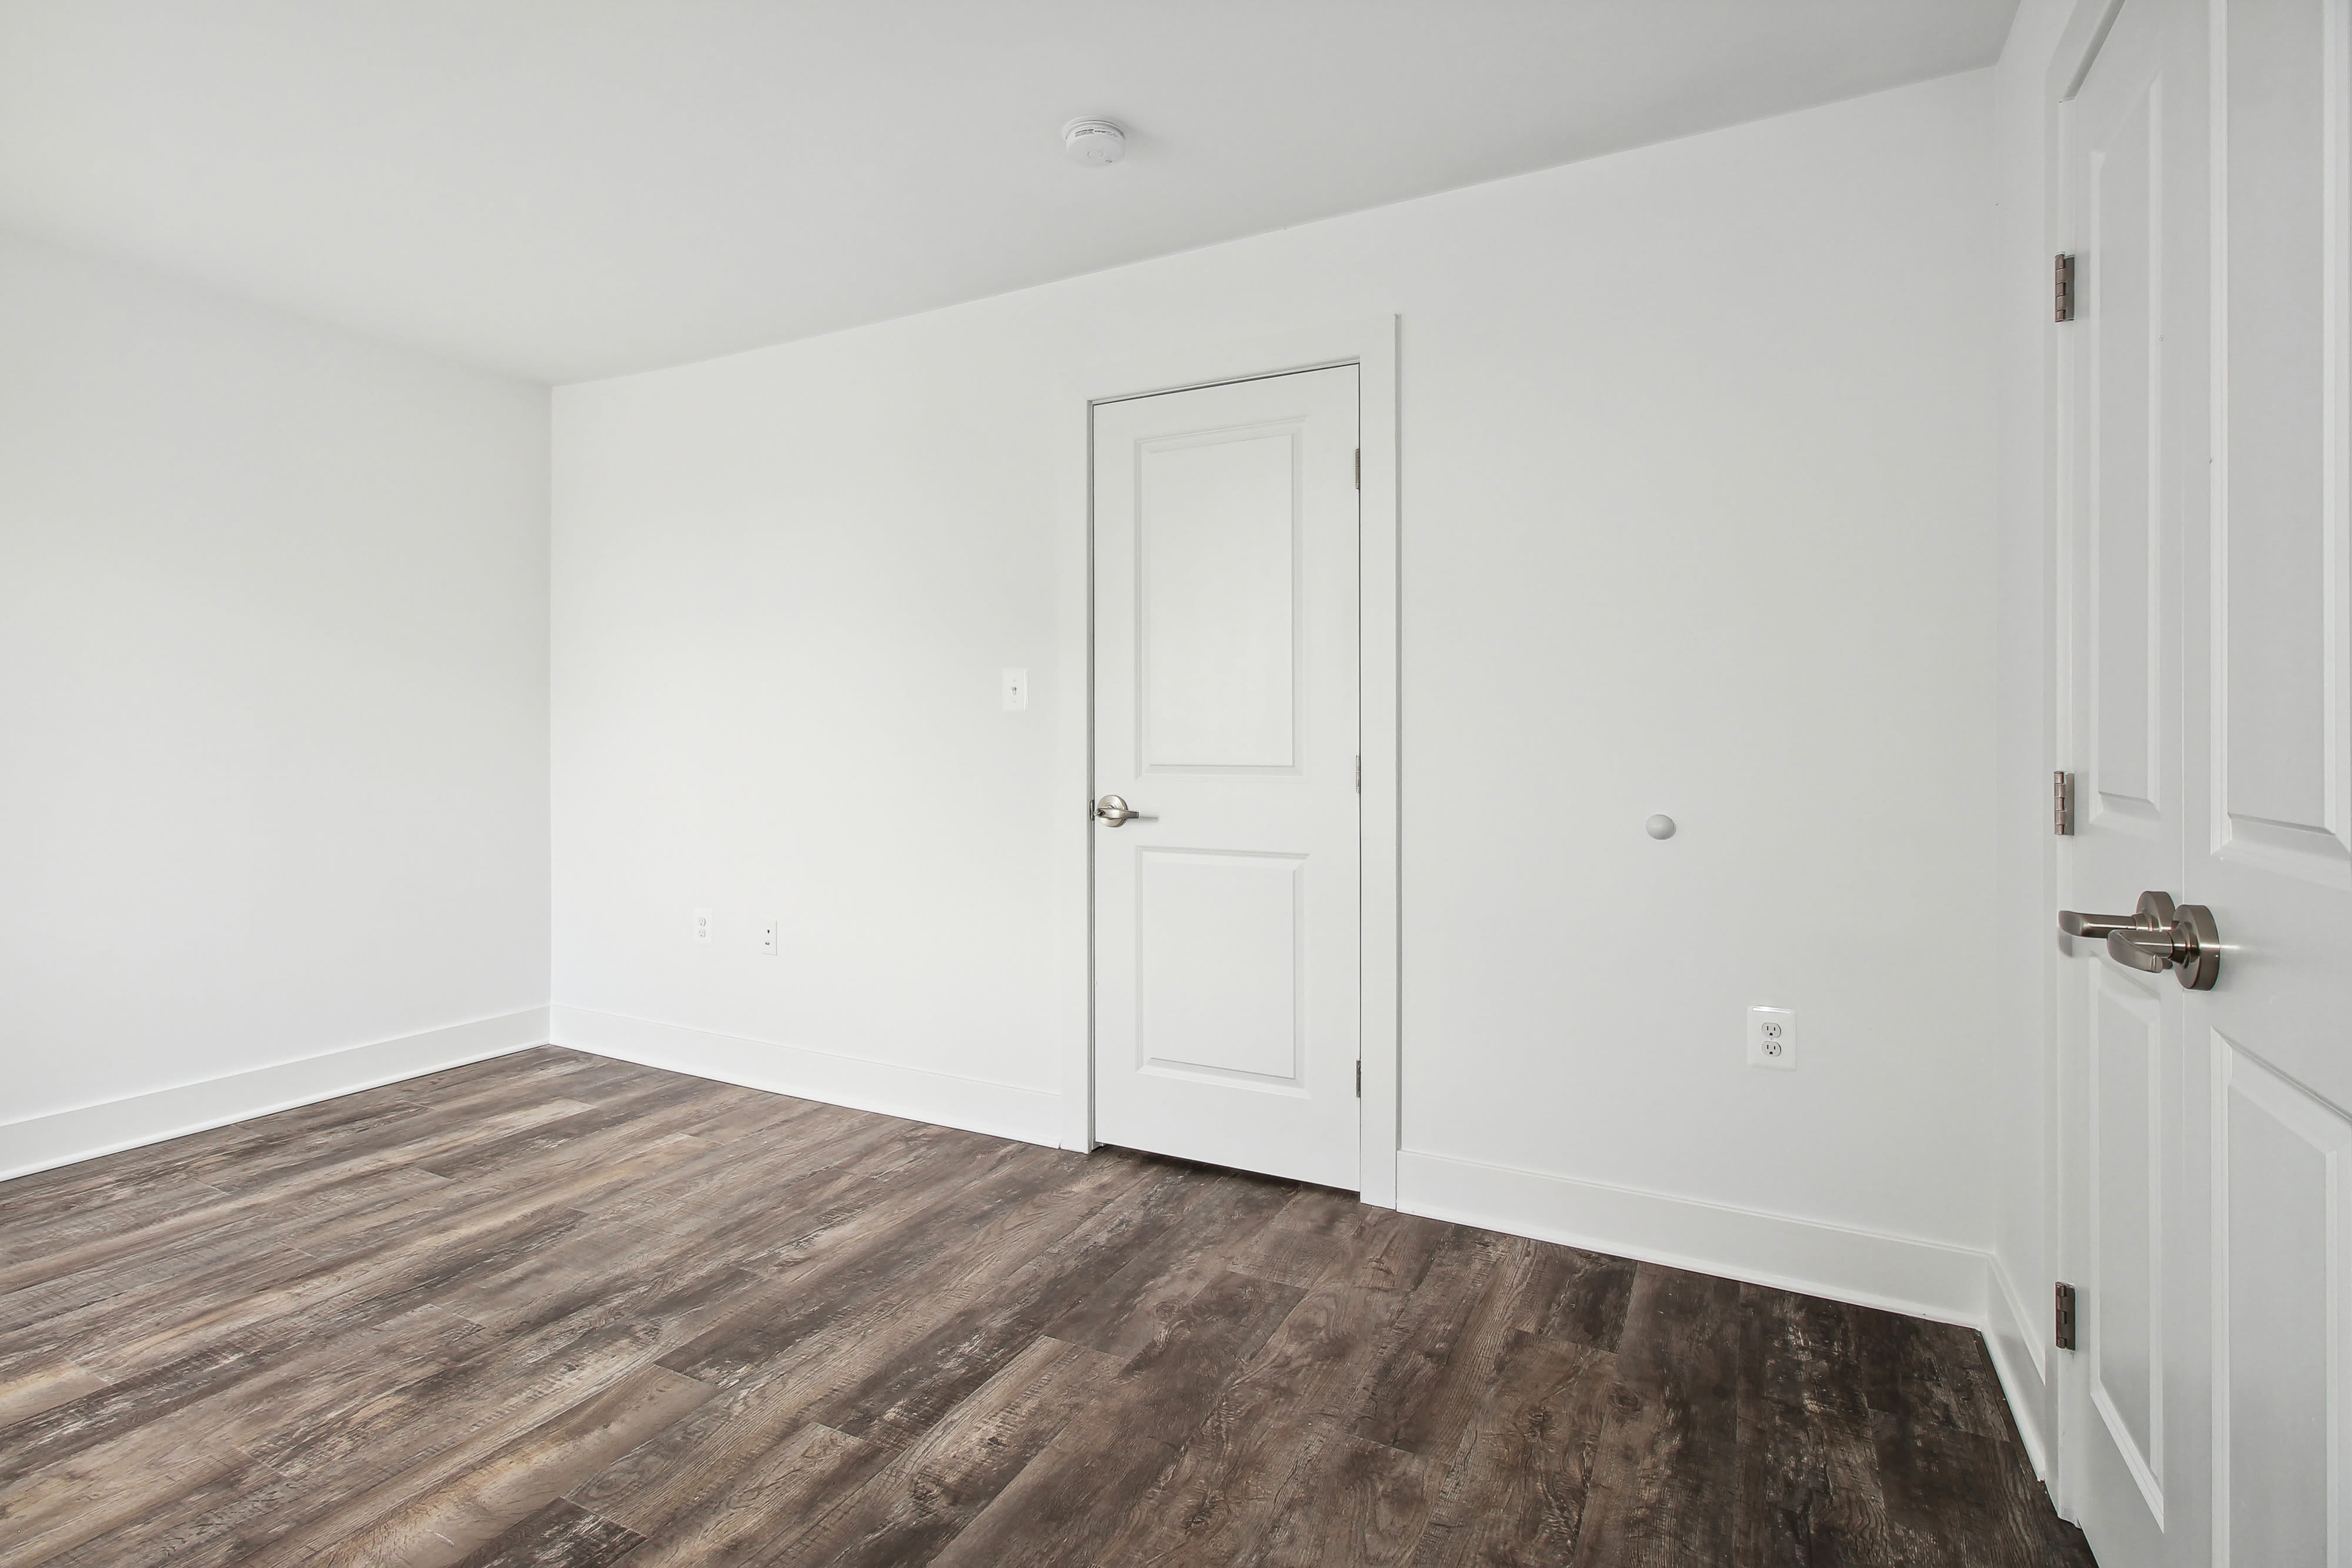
[(1370, 345)]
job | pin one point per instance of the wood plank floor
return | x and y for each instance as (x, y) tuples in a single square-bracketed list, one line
[(561, 1311)]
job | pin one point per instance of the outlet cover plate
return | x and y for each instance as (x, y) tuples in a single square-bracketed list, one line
[(1772, 1038)]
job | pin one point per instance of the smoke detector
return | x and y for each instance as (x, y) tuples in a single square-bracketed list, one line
[(1092, 141)]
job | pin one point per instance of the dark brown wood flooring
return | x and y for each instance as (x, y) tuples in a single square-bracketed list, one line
[(561, 1311)]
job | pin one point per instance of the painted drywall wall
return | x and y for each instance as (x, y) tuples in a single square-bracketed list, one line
[(1698, 508), (2020, 1055), (273, 706)]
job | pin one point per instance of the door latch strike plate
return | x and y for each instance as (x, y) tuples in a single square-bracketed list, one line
[(2065, 1317), (2061, 804)]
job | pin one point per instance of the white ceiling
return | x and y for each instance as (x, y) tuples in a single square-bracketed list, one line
[(574, 188)]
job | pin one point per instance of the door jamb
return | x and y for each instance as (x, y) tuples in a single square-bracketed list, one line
[(1370, 345)]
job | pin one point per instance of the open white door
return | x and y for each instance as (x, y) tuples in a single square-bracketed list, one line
[(2269, 785), (2206, 582), (1226, 906)]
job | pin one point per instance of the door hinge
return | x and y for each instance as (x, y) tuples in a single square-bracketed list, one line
[(1359, 467), (1359, 1078), (2061, 804), (1360, 775), (2065, 287), (2065, 1317)]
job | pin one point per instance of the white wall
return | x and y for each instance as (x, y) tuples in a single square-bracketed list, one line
[(273, 708), (1699, 508)]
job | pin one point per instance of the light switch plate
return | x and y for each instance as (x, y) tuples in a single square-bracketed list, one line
[(1015, 688)]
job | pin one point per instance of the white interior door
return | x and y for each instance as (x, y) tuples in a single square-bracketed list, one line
[(2207, 595), (1226, 910), (2133, 395), (2270, 786)]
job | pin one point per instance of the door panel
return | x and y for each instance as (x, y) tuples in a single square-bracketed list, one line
[(2286, 1188), (2124, 326), (1217, 545), (1219, 939), (2123, 1326), (1226, 917), (2280, 580)]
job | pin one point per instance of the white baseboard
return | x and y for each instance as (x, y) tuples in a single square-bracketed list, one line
[(62, 1137), (1872, 1268), (974, 1104), (2016, 1335)]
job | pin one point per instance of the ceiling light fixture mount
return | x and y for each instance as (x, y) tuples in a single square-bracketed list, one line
[(1093, 140)]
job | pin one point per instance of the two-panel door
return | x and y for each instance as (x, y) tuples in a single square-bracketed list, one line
[(1227, 867), (2205, 570)]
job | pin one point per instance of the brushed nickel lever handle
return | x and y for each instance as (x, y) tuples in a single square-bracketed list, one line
[(2074, 923), (2154, 912), (2156, 936), (1112, 811), (2137, 948)]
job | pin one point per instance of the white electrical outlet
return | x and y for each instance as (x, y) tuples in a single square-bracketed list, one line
[(1015, 689), (702, 926), (768, 936), (1772, 1038)]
